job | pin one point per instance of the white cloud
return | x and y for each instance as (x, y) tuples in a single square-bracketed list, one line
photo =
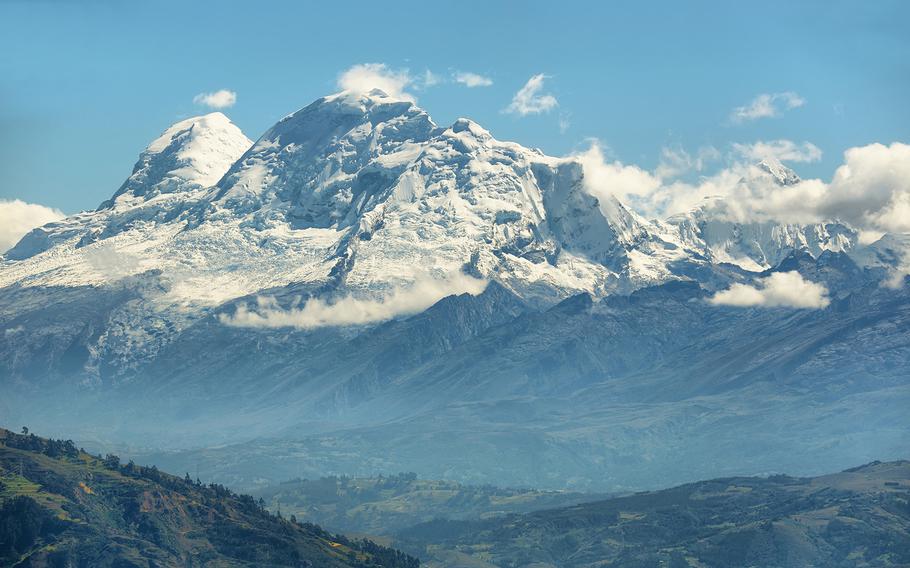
[(898, 275), (430, 79), (219, 99), (870, 191), (783, 150), (872, 188), (780, 289), (109, 263), (675, 162), (627, 183), (528, 99), (472, 79), (350, 310), (365, 77), (767, 105), (18, 217)]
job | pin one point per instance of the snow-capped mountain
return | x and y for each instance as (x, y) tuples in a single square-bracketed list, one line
[(169, 177), (365, 193), (360, 272), (714, 230)]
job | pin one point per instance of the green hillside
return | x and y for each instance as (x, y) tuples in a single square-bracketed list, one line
[(60, 506), (383, 505), (859, 517)]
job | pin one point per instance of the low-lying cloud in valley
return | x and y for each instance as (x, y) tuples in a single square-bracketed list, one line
[(779, 290), (354, 310)]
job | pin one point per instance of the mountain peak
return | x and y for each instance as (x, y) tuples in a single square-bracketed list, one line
[(192, 153), (372, 96), (321, 145), (374, 106), (781, 174)]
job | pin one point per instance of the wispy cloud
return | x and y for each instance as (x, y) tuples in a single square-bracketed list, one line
[(530, 100), (364, 77), (780, 289), (565, 122), (218, 99), (430, 79), (783, 150), (18, 217), (472, 80), (767, 105), (676, 161), (351, 310)]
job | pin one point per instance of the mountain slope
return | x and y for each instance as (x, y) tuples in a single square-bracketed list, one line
[(385, 505), (62, 507), (364, 289), (642, 391), (859, 517)]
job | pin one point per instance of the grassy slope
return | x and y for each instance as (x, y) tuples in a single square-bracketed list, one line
[(859, 517), (93, 514), (384, 505)]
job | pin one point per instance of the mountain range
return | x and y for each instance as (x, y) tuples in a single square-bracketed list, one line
[(361, 291)]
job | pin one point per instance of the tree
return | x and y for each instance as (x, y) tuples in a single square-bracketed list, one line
[(25, 430)]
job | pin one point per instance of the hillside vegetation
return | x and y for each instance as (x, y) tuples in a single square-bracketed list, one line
[(60, 506), (385, 504), (860, 517)]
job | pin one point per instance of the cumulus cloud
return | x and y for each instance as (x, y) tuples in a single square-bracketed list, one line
[(782, 150), (780, 289), (529, 100), (870, 190), (472, 79), (627, 183), (18, 217), (365, 77), (218, 99), (767, 105), (350, 310)]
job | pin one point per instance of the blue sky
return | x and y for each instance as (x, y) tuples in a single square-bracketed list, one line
[(84, 86)]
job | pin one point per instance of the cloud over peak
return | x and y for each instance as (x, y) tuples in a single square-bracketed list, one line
[(364, 77), (217, 100), (767, 105), (530, 100)]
